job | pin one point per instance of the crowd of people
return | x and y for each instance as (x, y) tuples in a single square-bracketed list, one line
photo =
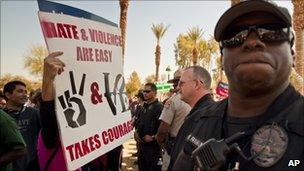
[(258, 126)]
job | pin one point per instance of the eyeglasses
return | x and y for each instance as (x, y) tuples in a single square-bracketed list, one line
[(181, 83), (147, 91), (175, 85), (236, 36)]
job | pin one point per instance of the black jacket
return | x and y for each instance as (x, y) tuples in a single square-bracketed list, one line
[(148, 122), (188, 125), (287, 112)]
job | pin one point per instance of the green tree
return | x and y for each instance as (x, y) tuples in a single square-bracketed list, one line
[(30, 85), (133, 84), (34, 59), (159, 30)]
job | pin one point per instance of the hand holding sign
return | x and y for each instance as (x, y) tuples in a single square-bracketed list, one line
[(53, 65)]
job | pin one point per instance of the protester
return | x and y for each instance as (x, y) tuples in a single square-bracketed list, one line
[(194, 85), (171, 118), (49, 147), (263, 115), (12, 145), (149, 157), (138, 109), (35, 99), (27, 119), (133, 102)]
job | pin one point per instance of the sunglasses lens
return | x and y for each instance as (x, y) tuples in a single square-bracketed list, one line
[(266, 32), (275, 36), (147, 91), (235, 41)]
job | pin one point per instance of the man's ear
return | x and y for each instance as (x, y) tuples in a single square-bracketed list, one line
[(293, 54), (7, 95)]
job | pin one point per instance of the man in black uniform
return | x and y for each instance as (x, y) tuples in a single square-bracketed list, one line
[(263, 113), (194, 85), (149, 156)]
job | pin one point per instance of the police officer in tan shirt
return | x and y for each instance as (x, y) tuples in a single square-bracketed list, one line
[(172, 117)]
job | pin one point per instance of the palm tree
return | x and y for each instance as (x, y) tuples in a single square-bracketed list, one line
[(183, 49), (298, 25), (159, 30), (123, 23), (195, 34)]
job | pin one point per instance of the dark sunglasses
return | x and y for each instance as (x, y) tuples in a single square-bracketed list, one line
[(147, 91), (267, 33), (175, 84)]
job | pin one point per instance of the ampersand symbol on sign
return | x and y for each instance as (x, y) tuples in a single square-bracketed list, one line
[(95, 96), (83, 35)]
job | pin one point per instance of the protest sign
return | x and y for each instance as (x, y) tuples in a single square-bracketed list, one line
[(91, 102)]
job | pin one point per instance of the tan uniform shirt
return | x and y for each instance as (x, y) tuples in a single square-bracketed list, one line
[(174, 112)]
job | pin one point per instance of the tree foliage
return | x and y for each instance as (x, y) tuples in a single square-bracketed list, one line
[(34, 59), (296, 80), (159, 31), (194, 34), (298, 26), (150, 78), (133, 84), (206, 49), (30, 85)]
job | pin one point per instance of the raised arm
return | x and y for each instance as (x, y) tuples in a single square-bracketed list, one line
[(52, 67)]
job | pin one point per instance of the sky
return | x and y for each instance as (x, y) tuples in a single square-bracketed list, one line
[(20, 29)]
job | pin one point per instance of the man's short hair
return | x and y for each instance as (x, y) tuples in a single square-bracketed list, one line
[(10, 86), (153, 86), (140, 95), (201, 74)]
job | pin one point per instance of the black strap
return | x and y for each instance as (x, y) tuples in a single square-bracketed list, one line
[(51, 158)]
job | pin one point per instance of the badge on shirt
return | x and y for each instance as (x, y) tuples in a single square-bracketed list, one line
[(268, 145)]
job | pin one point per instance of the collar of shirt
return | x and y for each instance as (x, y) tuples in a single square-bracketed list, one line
[(201, 103)]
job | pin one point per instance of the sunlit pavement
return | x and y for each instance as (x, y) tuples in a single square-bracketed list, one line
[(129, 149)]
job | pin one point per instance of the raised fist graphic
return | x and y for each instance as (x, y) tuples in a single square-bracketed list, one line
[(74, 110)]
